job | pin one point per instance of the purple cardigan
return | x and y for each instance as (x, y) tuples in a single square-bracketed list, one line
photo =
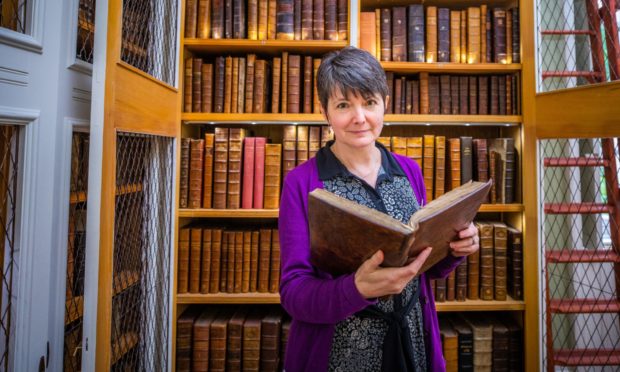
[(315, 300)]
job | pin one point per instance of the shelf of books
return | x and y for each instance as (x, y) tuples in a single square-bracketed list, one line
[(251, 114)]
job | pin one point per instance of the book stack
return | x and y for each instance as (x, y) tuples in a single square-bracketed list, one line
[(416, 33), (267, 19), (213, 260)]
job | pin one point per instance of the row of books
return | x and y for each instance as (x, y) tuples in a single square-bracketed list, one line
[(267, 19), (481, 342), (491, 273), (224, 338), (213, 260), (429, 34), (454, 94), (226, 84)]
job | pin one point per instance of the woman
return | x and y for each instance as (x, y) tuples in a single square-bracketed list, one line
[(339, 323)]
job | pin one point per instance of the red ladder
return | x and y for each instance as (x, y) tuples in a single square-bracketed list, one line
[(591, 356)]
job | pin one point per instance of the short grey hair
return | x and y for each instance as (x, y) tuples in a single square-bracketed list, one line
[(350, 71)]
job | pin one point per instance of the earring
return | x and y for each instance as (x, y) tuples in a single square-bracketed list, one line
[(331, 131)]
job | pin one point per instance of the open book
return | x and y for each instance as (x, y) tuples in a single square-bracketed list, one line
[(343, 234)]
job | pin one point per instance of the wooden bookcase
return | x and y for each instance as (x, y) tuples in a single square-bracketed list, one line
[(484, 126)]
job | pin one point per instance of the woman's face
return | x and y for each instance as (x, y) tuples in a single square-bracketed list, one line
[(356, 121)]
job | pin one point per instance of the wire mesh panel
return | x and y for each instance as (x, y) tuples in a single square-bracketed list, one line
[(578, 43), (149, 37), (86, 30), (580, 250), (76, 252), (13, 15), (142, 241)]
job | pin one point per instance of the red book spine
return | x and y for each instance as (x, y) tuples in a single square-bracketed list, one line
[(259, 171), (248, 173)]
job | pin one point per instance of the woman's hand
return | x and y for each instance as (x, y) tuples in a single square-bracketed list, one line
[(373, 281), (468, 244)]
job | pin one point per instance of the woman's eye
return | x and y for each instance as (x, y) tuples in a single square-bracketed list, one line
[(341, 105), (371, 102)]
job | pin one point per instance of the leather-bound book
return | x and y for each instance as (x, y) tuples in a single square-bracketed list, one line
[(253, 19), (441, 289), (502, 150), (200, 338), (314, 142), (220, 168), (515, 263), (234, 339), (461, 281), (338, 224), (326, 135), (463, 95), (318, 20), (473, 35), (216, 259), (306, 19), (399, 34), (217, 19), (481, 161), (501, 97), (343, 19), (473, 276), (500, 240), (264, 260), (207, 182), (274, 276), (238, 262), (188, 85), (501, 341), (260, 70), (516, 38), (184, 174), (217, 345), (489, 35), (398, 93), (483, 34), (508, 36), (270, 341), (473, 95), (302, 144), (466, 160), (185, 322), (297, 19), (259, 172), (220, 82), (230, 261), (247, 194), (249, 85), (247, 252), (499, 35), (387, 143), (241, 85), (386, 34), (486, 260), (515, 344), (440, 165), (207, 88), (433, 94), (316, 104), (240, 30), (272, 9), (494, 95), (228, 19), (254, 260), (443, 35), (331, 20), (251, 342), (183, 268), (409, 95), (308, 84), (273, 159), (415, 36), (286, 326), (191, 17), (284, 85), (275, 85), (294, 83), (445, 94), (235, 153), (428, 169), (509, 95), (465, 344), (451, 286), (455, 36), (284, 21), (450, 344), (196, 84), (205, 260), (263, 19), (453, 164), (389, 77), (289, 148), (483, 95), (415, 97), (399, 145), (414, 149), (196, 166), (464, 36), (483, 341), (454, 95), (431, 34), (195, 248), (403, 97), (235, 85)]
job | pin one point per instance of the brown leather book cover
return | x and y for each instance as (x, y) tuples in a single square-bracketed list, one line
[(494, 95), (502, 151), (239, 20), (486, 260), (500, 240), (207, 181), (254, 260), (450, 344), (473, 35), (499, 36), (205, 260), (228, 83), (220, 81), (424, 98), (451, 286), (415, 35), (251, 342), (378, 33), (183, 268), (247, 197), (195, 249), (515, 344), (461, 281), (443, 35), (466, 159), (414, 149), (275, 85), (473, 95), (399, 34), (455, 36), (253, 19), (399, 145), (483, 341), (428, 169), (398, 94), (284, 86), (249, 83), (403, 97), (500, 347), (389, 76), (191, 17), (314, 142), (273, 159), (274, 276), (216, 254), (227, 273), (463, 95), (263, 19), (286, 326), (241, 85), (509, 95), (238, 262), (481, 160), (501, 98), (196, 166), (184, 174), (454, 95), (196, 84), (453, 164), (386, 34), (318, 20), (473, 276), (466, 343), (228, 19), (489, 34), (270, 341), (264, 260), (200, 336), (337, 225), (308, 81), (343, 19), (483, 95), (409, 95), (259, 173), (516, 38), (331, 20), (187, 85), (235, 153), (235, 86), (431, 34), (260, 70), (217, 19), (247, 252), (294, 83), (415, 97), (445, 95), (220, 168), (515, 263), (289, 148), (483, 34), (387, 143), (217, 345), (327, 135), (441, 289), (207, 88), (185, 322), (464, 36), (297, 19), (440, 165), (272, 19), (306, 19), (234, 339)]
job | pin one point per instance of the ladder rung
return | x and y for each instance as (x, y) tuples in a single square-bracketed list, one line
[(584, 306), (577, 208), (585, 74), (566, 32), (587, 357), (582, 255), (583, 161)]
